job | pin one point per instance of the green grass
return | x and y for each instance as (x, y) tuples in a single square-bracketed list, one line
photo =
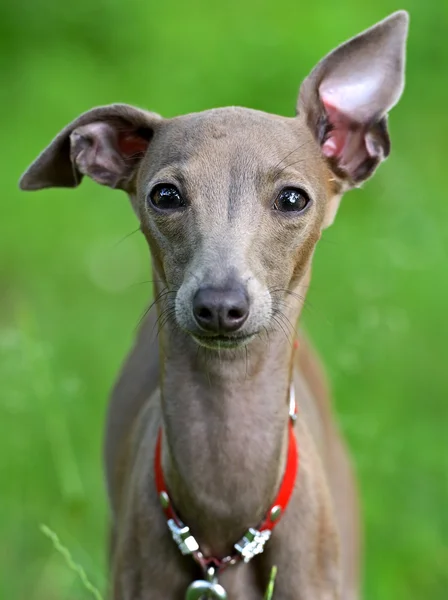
[(271, 585), (71, 564), (69, 304)]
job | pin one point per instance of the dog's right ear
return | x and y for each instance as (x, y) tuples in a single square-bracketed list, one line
[(106, 143)]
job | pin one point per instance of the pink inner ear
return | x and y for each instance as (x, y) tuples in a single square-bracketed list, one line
[(130, 144), (347, 139), (337, 139)]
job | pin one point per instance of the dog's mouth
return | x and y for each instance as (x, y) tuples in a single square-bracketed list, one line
[(223, 342)]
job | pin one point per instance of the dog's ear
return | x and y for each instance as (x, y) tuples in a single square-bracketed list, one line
[(106, 143), (346, 98)]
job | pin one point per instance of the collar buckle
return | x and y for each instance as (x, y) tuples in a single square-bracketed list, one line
[(181, 534), (252, 543)]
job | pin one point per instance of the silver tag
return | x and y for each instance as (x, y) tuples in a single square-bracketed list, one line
[(200, 590)]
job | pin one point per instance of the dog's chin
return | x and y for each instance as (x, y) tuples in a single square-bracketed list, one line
[(223, 342)]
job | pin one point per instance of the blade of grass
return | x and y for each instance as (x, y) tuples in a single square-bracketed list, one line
[(270, 588), (72, 565)]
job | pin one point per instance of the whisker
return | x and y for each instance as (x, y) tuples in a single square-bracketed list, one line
[(288, 155), (307, 305), (268, 339), (280, 324), (292, 152), (128, 235), (159, 296), (133, 157), (149, 281), (289, 292), (296, 162), (285, 320), (168, 317), (164, 317)]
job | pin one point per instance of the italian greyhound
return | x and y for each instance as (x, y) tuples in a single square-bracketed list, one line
[(222, 455)]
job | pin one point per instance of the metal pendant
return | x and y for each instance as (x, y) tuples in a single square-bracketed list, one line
[(200, 590)]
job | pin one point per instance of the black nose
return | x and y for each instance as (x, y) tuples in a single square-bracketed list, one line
[(220, 310)]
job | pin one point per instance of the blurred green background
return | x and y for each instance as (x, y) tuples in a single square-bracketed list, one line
[(71, 296)]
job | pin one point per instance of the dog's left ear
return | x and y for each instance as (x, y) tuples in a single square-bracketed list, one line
[(346, 98)]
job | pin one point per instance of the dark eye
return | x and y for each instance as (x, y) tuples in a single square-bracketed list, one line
[(291, 200), (165, 196)]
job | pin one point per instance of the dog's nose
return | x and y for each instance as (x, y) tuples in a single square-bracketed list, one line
[(220, 310)]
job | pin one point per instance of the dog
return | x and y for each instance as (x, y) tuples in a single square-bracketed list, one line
[(222, 455)]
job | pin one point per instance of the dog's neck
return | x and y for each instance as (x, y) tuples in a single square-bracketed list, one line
[(225, 423)]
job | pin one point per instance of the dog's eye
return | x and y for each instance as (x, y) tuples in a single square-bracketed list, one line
[(166, 196), (291, 200)]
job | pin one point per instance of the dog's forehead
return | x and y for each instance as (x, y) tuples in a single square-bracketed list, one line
[(226, 130), (232, 118)]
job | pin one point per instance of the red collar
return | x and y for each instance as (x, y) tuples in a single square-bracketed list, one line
[(253, 541)]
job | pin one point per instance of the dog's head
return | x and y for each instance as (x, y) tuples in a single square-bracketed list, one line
[(233, 201)]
